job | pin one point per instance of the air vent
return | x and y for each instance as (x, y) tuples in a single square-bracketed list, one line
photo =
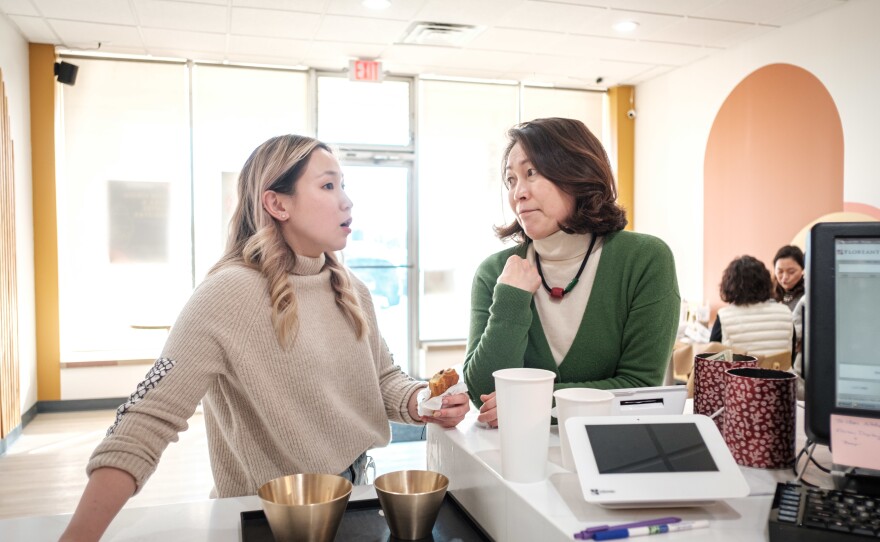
[(440, 34)]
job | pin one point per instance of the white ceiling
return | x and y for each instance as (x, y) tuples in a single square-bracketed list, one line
[(568, 43)]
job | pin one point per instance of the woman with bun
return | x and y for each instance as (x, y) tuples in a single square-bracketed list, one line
[(576, 295), (280, 344)]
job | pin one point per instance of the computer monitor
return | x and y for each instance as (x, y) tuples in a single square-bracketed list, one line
[(842, 327)]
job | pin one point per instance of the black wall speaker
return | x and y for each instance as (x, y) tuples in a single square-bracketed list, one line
[(66, 72)]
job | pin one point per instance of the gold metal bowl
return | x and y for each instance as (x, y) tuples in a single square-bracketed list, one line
[(305, 507), (411, 501)]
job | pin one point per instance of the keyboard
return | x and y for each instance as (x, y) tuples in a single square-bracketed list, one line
[(807, 514)]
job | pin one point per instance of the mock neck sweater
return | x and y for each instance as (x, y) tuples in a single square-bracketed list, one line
[(314, 406), (561, 257), (626, 331)]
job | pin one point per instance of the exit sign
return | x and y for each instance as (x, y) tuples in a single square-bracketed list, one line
[(365, 70)]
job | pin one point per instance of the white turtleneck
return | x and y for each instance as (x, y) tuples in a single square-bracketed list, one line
[(561, 257)]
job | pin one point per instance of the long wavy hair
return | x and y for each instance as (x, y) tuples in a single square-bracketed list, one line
[(567, 154), (255, 238)]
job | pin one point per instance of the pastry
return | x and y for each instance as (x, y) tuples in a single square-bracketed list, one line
[(442, 381)]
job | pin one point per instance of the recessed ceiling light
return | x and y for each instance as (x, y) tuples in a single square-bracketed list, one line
[(625, 26), (376, 4)]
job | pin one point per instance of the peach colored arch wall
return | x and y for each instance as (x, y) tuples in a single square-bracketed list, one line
[(774, 162)]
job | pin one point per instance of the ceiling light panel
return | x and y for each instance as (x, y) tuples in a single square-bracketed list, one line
[(648, 24), (525, 41), (273, 23), (254, 46), (35, 29), (97, 11), (78, 35), (158, 38), (18, 7), (399, 9), (359, 29), (548, 16), (312, 6), (181, 15), (694, 31), (478, 13)]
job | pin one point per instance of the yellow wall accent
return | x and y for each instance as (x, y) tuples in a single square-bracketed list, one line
[(42, 84), (623, 133)]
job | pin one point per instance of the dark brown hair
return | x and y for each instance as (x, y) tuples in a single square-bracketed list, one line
[(796, 254), (567, 154), (745, 281)]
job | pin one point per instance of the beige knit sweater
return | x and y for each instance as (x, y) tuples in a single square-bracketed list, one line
[(269, 411)]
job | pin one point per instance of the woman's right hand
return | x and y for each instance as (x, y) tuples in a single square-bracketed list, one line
[(521, 274), (489, 410), (107, 491)]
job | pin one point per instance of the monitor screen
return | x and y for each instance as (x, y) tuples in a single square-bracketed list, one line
[(857, 265), (842, 323), (630, 448)]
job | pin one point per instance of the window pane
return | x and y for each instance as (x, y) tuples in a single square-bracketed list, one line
[(234, 110), (123, 208), (377, 249), (359, 113), (462, 130)]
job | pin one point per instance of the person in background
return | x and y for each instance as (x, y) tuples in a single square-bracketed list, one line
[(577, 295), (279, 342), (788, 265), (753, 321)]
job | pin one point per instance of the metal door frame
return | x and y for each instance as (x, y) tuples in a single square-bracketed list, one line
[(406, 161)]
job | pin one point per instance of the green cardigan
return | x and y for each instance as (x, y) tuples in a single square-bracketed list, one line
[(625, 337)]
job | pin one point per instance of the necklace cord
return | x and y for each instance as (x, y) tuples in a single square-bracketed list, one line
[(558, 293)]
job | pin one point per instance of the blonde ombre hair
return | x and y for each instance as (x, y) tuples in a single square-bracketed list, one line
[(255, 238)]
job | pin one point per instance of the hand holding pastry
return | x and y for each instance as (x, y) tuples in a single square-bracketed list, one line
[(445, 401)]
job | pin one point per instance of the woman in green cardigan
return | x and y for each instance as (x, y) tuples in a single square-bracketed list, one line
[(577, 295)]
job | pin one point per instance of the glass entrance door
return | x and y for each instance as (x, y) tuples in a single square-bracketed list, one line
[(378, 250)]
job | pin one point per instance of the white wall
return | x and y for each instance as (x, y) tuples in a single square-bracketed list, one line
[(14, 63), (676, 111), (103, 382)]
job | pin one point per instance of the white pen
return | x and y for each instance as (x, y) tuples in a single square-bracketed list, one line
[(653, 529)]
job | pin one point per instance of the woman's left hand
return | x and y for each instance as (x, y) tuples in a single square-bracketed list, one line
[(451, 413)]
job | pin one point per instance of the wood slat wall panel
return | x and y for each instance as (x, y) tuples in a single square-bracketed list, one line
[(10, 404)]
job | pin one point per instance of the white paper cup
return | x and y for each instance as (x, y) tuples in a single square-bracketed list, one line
[(573, 402), (524, 398)]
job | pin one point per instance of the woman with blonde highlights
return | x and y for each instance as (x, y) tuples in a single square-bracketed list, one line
[(279, 343)]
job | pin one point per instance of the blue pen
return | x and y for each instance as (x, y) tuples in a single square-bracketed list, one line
[(590, 532), (653, 529)]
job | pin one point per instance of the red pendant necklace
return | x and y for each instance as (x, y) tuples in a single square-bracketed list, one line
[(559, 293)]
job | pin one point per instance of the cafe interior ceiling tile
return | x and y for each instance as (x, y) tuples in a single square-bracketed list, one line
[(668, 34)]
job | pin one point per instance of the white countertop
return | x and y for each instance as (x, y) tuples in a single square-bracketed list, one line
[(214, 520), (554, 509), (549, 510)]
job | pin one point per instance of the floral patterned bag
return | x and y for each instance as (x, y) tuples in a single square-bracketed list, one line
[(709, 381), (760, 416)]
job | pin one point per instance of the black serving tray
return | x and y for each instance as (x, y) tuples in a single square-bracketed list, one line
[(363, 523)]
